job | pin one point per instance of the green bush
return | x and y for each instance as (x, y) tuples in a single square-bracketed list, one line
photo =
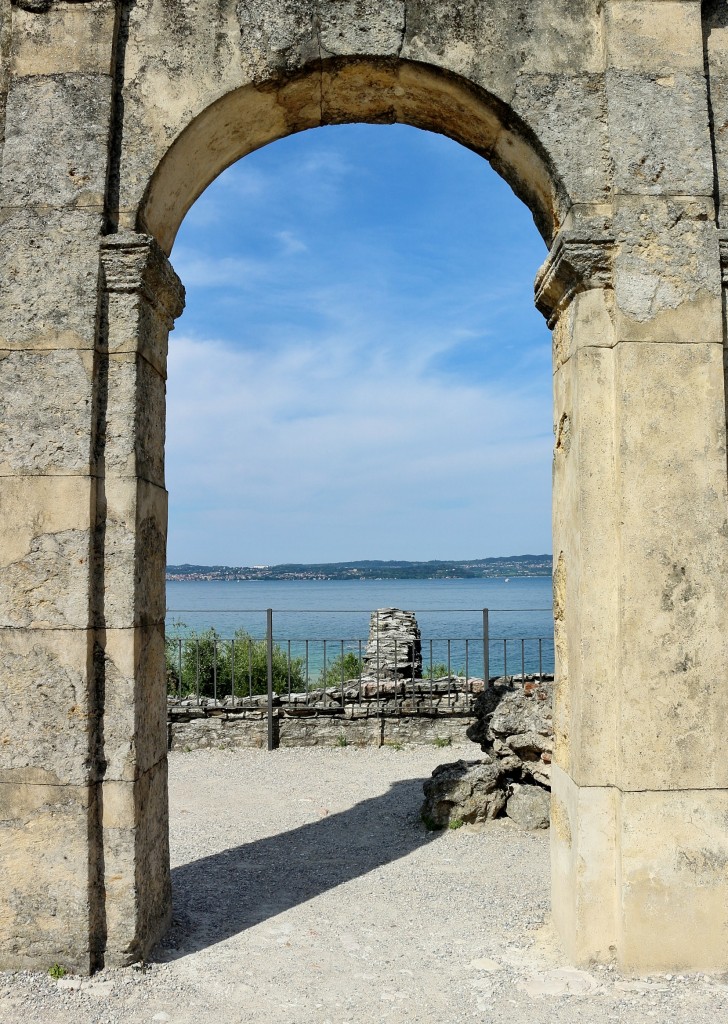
[(439, 669), (346, 668), (207, 656)]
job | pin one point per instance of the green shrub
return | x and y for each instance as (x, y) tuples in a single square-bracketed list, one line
[(439, 669), (346, 668), (209, 658), (199, 658)]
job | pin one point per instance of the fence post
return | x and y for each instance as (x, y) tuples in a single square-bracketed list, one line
[(486, 649), (269, 660)]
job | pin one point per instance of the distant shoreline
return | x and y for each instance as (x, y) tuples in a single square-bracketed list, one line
[(506, 567)]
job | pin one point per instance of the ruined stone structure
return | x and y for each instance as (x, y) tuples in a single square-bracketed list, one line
[(609, 119), (394, 647)]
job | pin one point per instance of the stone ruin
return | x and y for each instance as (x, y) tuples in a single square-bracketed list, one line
[(514, 727), (391, 683), (394, 647)]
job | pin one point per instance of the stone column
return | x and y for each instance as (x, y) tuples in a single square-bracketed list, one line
[(143, 296), (640, 782), (53, 183)]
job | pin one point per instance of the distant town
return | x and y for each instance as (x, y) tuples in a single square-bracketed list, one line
[(472, 569)]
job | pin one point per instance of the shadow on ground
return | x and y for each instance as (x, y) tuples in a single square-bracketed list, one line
[(219, 896)]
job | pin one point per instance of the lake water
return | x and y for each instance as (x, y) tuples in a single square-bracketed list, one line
[(339, 610)]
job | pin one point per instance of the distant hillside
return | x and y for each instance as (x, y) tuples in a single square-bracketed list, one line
[(470, 569)]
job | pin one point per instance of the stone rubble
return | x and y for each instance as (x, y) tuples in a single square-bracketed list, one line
[(529, 806), (514, 727), (466, 792)]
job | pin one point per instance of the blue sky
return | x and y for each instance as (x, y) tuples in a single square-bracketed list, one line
[(360, 371)]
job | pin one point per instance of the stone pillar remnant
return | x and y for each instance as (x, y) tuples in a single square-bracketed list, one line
[(394, 648)]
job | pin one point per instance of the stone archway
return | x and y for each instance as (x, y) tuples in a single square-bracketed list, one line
[(116, 114)]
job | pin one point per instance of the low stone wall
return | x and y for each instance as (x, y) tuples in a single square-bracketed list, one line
[(228, 730), (370, 713)]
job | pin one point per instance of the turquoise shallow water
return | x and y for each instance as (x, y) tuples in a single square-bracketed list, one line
[(339, 610)]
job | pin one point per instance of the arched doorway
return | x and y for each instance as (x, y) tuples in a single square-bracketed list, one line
[(152, 103)]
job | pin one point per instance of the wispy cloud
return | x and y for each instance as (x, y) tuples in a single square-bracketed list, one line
[(291, 243), (199, 271), (374, 449)]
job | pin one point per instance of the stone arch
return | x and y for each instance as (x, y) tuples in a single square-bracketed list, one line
[(335, 92), (115, 116)]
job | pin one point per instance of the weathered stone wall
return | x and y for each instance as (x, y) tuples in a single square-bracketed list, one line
[(521, 82), (364, 712), (608, 118), (250, 729)]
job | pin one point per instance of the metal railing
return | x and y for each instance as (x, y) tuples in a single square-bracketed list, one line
[(282, 675)]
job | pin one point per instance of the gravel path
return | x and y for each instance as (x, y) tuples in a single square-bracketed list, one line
[(306, 890)]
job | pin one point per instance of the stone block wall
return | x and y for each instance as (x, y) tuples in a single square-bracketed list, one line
[(370, 714), (250, 729)]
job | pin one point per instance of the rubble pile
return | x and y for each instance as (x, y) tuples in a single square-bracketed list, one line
[(514, 727)]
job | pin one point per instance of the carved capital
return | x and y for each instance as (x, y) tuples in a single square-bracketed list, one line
[(135, 264), (575, 264)]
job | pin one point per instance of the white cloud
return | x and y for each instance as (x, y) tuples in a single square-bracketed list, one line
[(200, 271), (319, 178), (347, 450), (291, 243), (328, 390)]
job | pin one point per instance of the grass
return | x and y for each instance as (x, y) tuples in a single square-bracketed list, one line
[(443, 741), (456, 823), (342, 741), (57, 972)]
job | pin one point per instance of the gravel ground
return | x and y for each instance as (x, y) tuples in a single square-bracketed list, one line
[(307, 890)]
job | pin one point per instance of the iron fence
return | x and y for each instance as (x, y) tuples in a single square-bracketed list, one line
[(276, 675)]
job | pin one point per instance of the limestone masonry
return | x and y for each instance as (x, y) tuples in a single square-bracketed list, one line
[(609, 119)]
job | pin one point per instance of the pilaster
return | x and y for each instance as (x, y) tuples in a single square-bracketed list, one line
[(142, 298)]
